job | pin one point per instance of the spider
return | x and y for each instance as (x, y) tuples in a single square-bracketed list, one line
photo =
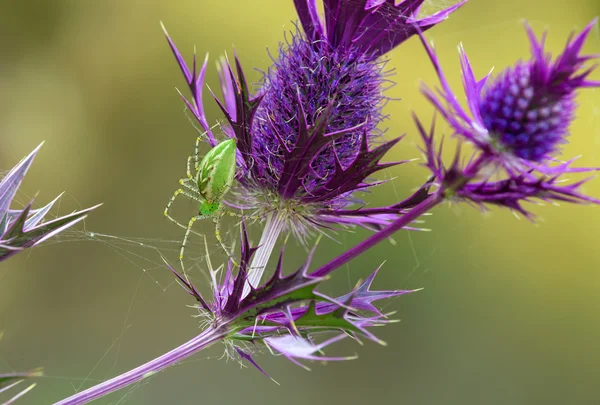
[(214, 176)]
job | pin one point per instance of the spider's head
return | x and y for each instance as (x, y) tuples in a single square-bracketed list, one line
[(208, 209)]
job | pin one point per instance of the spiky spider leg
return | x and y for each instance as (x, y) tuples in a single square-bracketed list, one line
[(189, 168), (197, 153), (217, 221), (187, 234), (168, 207)]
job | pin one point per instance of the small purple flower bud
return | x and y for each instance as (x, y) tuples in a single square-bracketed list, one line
[(517, 123), (521, 117), (540, 122)]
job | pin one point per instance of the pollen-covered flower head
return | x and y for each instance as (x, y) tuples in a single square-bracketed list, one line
[(307, 140), (523, 115)]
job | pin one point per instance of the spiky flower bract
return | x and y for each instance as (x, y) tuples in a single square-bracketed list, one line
[(517, 122), (24, 228), (307, 140), (286, 313)]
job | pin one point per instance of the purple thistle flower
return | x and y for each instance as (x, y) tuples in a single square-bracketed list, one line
[(306, 140), (24, 228), (520, 118)]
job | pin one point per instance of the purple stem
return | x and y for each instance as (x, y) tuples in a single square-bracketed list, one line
[(203, 340), (469, 173), (385, 233)]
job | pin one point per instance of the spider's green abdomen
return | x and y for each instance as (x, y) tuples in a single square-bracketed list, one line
[(216, 171)]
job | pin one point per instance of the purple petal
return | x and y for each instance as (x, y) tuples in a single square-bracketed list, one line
[(294, 347)]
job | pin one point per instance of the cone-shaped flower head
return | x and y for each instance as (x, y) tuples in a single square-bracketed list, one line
[(305, 141), (523, 115), (529, 107), (24, 228), (518, 120)]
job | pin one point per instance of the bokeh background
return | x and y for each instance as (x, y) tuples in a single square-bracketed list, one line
[(510, 311)]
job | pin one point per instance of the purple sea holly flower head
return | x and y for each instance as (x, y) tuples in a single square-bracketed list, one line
[(307, 139), (517, 123), (26, 227)]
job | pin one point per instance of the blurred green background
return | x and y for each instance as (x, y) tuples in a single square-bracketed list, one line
[(510, 311)]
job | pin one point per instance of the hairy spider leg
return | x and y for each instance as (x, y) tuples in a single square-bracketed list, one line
[(217, 221), (175, 195), (197, 153), (189, 168), (187, 234)]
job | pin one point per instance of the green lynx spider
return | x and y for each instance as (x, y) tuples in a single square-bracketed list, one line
[(214, 177)]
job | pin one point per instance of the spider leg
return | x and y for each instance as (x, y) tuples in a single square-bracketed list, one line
[(189, 168), (242, 215), (197, 153), (175, 195), (168, 207), (192, 189), (217, 221), (187, 234)]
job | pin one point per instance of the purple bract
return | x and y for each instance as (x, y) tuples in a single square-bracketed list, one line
[(24, 228)]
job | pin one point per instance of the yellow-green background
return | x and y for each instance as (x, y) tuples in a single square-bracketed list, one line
[(510, 313)]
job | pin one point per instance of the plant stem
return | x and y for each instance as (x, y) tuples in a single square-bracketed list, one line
[(203, 340), (386, 232), (271, 232)]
